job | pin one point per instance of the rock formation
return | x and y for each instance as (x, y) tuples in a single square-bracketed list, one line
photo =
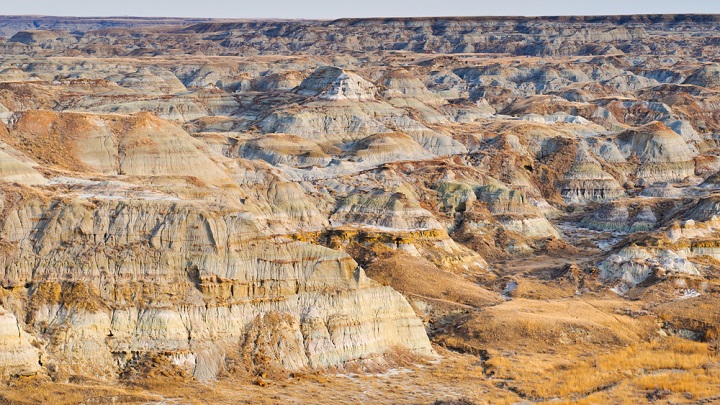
[(256, 202)]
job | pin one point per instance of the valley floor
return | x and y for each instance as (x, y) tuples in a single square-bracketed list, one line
[(665, 371)]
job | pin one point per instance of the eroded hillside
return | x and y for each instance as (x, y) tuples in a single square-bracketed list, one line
[(400, 210)]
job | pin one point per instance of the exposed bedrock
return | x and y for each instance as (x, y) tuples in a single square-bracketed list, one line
[(111, 279)]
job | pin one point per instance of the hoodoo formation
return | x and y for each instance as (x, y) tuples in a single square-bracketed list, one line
[(402, 210)]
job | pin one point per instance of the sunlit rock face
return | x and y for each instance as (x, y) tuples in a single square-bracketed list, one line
[(17, 355), (635, 265), (662, 154), (334, 84), (587, 181), (113, 278)]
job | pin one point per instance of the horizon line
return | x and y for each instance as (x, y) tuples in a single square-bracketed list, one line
[(351, 18)]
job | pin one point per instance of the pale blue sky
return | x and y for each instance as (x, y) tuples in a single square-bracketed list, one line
[(326, 9)]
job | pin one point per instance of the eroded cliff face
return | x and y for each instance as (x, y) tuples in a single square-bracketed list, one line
[(163, 199), (18, 355), (107, 279)]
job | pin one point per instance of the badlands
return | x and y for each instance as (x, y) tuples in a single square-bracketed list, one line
[(430, 210)]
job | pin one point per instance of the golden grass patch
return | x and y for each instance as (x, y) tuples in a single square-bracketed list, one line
[(698, 383), (672, 364)]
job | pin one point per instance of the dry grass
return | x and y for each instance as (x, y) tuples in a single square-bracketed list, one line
[(420, 279), (37, 390), (456, 377), (72, 295), (51, 138), (677, 365), (539, 290), (700, 383), (674, 369), (535, 326)]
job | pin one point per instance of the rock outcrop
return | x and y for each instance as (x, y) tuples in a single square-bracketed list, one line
[(587, 181), (188, 197), (662, 154), (171, 276), (334, 84), (17, 355)]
